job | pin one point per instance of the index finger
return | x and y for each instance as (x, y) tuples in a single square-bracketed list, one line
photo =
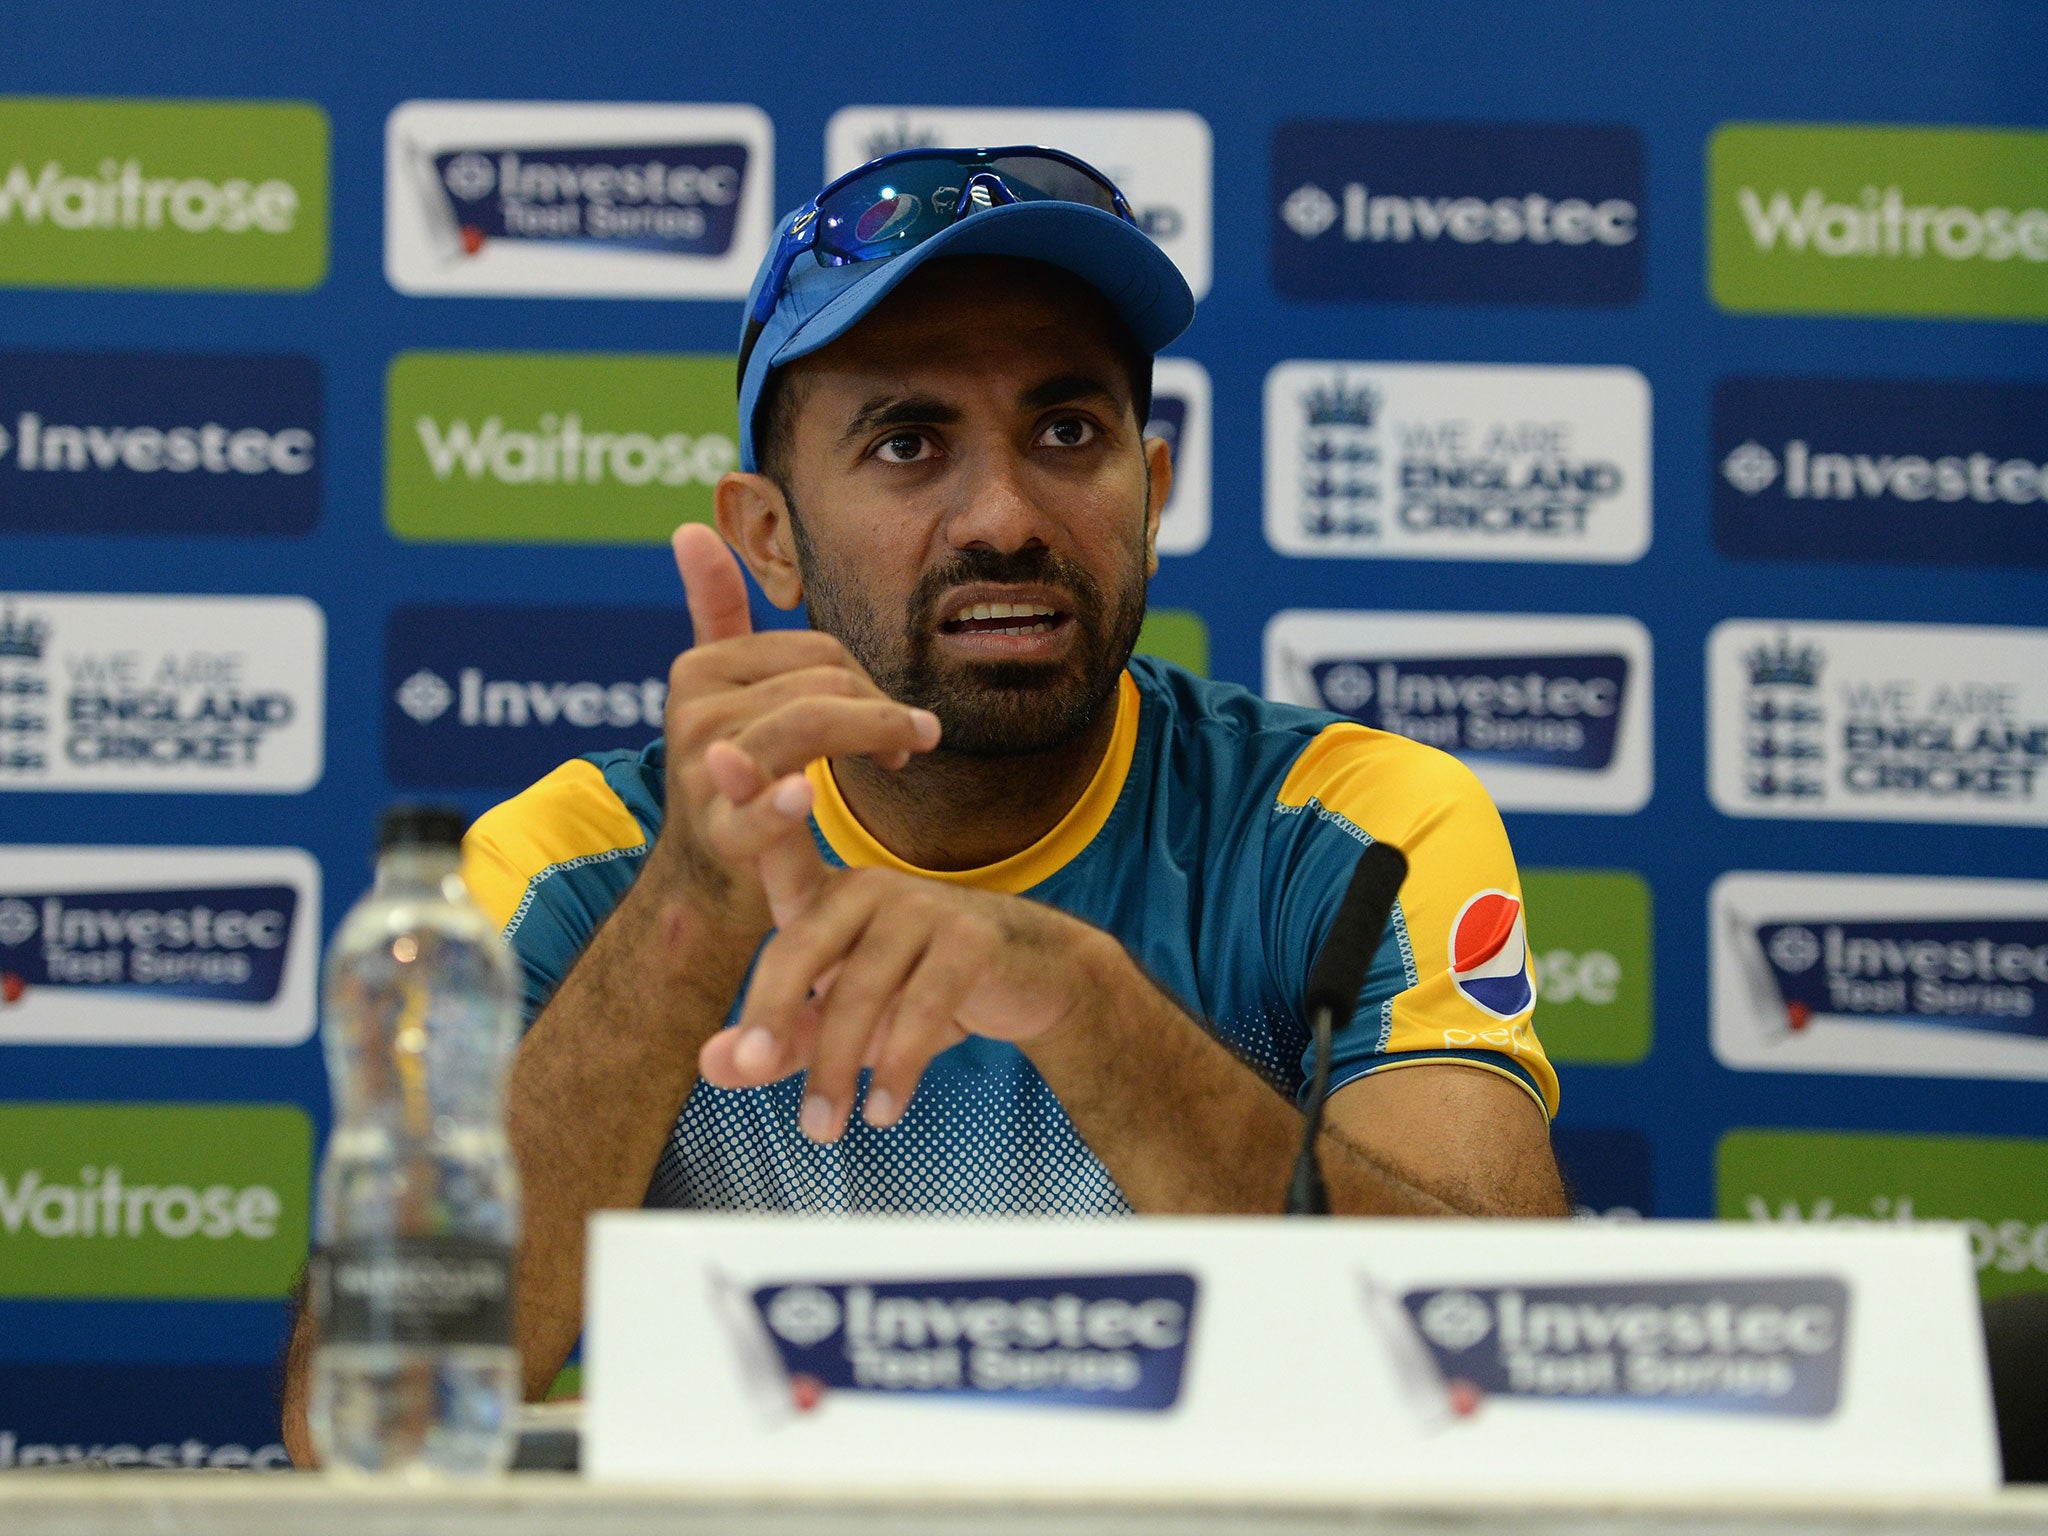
[(712, 584)]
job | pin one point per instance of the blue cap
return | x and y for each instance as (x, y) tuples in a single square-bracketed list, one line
[(820, 303)]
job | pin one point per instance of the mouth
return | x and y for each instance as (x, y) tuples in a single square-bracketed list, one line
[(1015, 628)]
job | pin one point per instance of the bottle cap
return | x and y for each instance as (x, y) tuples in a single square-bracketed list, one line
[(421, 826)]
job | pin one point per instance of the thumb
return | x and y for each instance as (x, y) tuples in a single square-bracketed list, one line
[(712, 584)]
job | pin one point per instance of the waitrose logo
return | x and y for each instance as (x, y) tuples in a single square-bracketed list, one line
[(1589, 930), (555, 448), (153, 1200), (1870, 220), (162, 194), (1997, 1189)]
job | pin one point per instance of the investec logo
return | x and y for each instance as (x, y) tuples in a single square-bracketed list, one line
[(152, 1200), (162, 194), (1872, 973), (1457, 461), (574, 198), (138, 442), (1100, 1341), (1882, 469), (156, 946), (555, 447), (1517, 213), (1737, 1345), (1879, 220), (1552, 714), (492, 695), (1160, 160), (1885, 721)]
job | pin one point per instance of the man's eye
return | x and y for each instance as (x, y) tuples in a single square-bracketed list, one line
[(902, 448), (1068, 432)]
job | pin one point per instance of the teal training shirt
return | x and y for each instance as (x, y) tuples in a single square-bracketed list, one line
[(1214, 841)]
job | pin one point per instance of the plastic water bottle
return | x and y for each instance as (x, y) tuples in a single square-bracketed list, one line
[(411, 1283)]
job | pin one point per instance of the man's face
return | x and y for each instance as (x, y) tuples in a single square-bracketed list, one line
[(971, 504)]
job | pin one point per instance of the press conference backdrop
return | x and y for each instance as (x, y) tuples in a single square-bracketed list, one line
[(1647, 403)]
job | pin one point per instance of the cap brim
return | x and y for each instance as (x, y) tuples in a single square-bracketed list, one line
[(1120, 262)]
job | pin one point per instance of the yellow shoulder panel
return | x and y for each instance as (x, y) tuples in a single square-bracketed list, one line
[(1431, 807), (570, 814)]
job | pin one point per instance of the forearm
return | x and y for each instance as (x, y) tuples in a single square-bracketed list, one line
[(596, 1087), (1183, 1125)]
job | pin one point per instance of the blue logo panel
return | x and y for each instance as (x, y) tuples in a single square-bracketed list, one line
[(1052, 1341), (1606, 1168), (1987, 974), (132, 442), (1872, 469), (1771, 1346), (1460, 213), (223, 944), (495, 697), (157, 1416), (672, 199), (1549, 711)]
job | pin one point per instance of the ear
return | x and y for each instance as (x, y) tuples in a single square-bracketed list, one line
[(1159, 462), (753, 514)]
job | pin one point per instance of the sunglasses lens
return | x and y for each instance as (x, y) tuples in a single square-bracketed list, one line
[(891, 209), (1047, 178)]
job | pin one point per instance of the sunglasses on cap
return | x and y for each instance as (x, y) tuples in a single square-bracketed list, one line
[(896, 203)]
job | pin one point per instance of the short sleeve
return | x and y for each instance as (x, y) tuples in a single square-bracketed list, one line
[(1452, 979), (548, 866)]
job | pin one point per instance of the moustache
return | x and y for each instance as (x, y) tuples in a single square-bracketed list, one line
[(1033, 566)]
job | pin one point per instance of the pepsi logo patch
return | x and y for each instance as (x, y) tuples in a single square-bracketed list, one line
[(1490, 955)]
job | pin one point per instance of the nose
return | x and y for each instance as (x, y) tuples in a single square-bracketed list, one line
[(997, 510)]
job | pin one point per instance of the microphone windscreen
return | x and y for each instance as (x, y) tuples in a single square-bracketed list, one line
[(1334, 980)]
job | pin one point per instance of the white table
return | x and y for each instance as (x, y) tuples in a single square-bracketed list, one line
[(60, 1503)]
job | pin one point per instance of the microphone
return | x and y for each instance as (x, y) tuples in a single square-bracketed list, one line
[(1333, 985)]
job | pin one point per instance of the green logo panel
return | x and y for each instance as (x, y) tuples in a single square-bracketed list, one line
[(1807, 219), (162, 194), (1589, 932), (555, 447), (1998, 1189), (1177, 635), (159, 1200)]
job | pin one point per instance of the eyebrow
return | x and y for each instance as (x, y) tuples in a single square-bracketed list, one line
[(898, 411), (1064, 389)]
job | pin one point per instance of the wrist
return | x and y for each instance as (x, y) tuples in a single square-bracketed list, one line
[(703, 924), (1100, 975)]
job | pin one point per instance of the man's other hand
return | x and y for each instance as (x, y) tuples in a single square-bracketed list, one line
[(885, 970)]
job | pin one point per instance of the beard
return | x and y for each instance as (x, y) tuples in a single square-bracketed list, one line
[(985, 708)]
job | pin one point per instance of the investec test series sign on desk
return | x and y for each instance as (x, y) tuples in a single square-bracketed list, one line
[(1157, 1357)]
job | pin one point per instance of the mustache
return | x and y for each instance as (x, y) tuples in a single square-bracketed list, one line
[(1034, 566)]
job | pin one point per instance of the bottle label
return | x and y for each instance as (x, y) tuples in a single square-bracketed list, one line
[(413, 1290)]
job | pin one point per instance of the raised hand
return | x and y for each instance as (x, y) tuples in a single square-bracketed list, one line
[(745, 713)]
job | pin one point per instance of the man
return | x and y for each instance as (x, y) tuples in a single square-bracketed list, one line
[(1037, 915)]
